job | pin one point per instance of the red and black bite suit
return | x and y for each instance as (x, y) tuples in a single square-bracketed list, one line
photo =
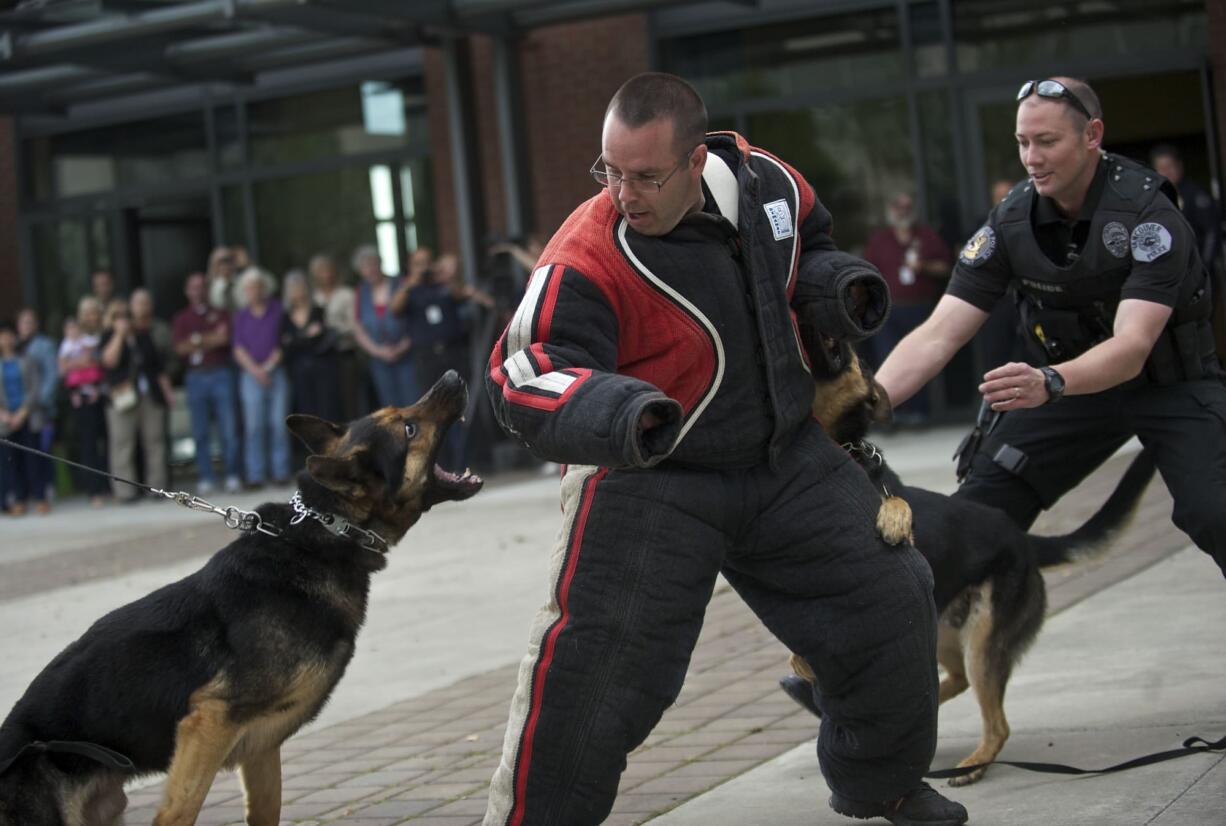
[(698, 325)]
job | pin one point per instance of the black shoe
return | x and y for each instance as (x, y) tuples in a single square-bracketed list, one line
[(919, 807), (801, 690)]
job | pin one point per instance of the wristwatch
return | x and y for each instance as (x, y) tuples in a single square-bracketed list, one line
[(1054, 382)]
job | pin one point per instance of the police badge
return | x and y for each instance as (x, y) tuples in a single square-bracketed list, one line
[(1115, 239), (1150, 241), (979, 248)]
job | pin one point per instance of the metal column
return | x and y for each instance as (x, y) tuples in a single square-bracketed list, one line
[(457, 127)]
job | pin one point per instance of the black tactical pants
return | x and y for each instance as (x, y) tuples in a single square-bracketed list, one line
[(635, 565), (1184, 425)]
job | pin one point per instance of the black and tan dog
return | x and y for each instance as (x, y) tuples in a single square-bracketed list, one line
[(218, 669), (988, 590)]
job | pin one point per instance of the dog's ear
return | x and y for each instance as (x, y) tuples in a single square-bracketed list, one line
[(319, 435), (343, 475)]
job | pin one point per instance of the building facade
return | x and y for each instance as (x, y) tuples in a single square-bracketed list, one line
[(484, 127)]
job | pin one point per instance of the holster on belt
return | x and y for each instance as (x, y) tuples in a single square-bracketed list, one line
[(985, 423)]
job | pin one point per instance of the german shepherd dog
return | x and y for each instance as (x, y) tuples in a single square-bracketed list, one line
[(989, 592), (218, 669)]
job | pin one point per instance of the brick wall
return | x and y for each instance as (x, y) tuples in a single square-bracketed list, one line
[(12, 293), (568, 73), (440, 145)]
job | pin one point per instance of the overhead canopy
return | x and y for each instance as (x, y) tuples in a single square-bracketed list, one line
[(63, 58)]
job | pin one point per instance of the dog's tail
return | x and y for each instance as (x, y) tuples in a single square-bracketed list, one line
[(1094, 537)]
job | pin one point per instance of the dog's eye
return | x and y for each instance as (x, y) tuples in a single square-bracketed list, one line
[(410, 429)]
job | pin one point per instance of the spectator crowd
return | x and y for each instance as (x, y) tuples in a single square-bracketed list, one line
[(248, 349)]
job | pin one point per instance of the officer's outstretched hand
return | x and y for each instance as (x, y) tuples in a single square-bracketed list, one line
[(1014, 386)]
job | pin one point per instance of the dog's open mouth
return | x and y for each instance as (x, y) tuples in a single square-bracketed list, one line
[(456, 486)]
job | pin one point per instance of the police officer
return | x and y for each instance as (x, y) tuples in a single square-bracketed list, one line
[(1114, 300)]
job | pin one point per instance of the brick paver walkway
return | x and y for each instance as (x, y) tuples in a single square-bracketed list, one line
[(428, 760)]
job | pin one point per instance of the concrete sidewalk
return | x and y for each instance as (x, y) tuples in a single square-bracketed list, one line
[(414, 730), (1134, 669)]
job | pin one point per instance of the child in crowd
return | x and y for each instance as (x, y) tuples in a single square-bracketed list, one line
[(83, 379)]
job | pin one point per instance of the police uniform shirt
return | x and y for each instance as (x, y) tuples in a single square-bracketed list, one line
[(1060, 239), (983, 271)]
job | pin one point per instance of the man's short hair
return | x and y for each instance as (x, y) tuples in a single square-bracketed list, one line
[(1082, 91), (653, 95)]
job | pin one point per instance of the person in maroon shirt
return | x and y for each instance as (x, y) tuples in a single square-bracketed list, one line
[(915, 263), (201, 336)]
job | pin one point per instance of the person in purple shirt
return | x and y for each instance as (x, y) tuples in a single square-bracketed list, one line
[(263, 386)]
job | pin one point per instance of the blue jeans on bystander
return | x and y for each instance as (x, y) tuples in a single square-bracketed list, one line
[(210, 398), (265, 437)]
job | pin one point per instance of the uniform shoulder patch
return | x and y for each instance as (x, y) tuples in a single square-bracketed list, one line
[(1115, 239), (980, 247), (1150, 241)]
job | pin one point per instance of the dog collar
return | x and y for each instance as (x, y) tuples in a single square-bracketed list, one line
[(864, 448), (337, 525)]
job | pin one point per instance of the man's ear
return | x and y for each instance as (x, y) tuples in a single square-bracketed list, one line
[(1095, 131), (319, 435), (343, 476)]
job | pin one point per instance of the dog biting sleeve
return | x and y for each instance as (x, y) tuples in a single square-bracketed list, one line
[(552, 383)]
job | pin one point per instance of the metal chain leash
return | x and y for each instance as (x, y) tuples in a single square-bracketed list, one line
[(235, 518)]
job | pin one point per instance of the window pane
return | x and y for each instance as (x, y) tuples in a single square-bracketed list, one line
[(856, 155), (408, 199), (346, 121), (794, 57), (62, 266), (234, 217), (299, 216), (389, 251), (927, 43), (417, 197), (991, 34), (381, 193), (229, 145), (171, 148), (940, 168)]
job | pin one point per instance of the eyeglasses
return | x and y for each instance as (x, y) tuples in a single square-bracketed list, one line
[(1052, 90), (606, 178)]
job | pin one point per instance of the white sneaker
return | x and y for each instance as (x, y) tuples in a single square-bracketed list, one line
[(205, 488), (233, 485)]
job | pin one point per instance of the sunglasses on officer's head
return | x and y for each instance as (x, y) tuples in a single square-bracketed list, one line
[(1053, 90)]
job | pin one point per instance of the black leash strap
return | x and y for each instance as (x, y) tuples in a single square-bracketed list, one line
[(100, 754), (1193, 745), (235, 518)]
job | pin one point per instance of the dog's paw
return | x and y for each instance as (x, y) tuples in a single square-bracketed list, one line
[(801, 668), (894, 521), (969, 778)]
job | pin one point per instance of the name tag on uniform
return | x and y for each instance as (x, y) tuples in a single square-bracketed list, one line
[(780, 216)]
